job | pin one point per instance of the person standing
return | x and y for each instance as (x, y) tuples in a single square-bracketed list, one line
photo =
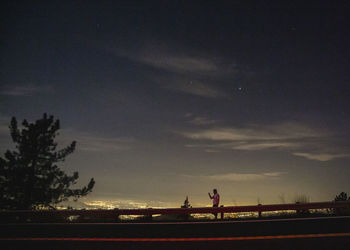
[(216, 200)]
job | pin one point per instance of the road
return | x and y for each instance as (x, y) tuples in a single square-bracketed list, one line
[(308, 233)]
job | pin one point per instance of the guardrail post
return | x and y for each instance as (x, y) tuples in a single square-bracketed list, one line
[(222, 213), (117, 214), (298, 211), (150, 215), (259, 210)]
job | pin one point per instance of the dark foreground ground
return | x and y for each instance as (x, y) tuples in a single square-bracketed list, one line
[(312, 233)]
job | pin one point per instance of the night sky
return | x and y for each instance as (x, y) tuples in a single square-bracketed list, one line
[(173, 98)]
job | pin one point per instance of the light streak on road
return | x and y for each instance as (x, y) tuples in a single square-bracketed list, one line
[(270, 237)]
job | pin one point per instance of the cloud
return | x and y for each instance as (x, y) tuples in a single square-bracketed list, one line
[(261, 146), (200, 120), (198, 89), (174, 60), (245, 146), (99, 144), (184, 70), (93, 143), (178, 63), (192, 87), (296, 138), (211, 150), (4, 125), (253, 133), (24, 90), (239, 177), (85, 141), (321, 157)]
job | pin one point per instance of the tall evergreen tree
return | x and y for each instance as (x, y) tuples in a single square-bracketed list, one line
[(29, 175)]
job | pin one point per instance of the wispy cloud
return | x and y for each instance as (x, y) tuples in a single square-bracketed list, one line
[(190, 86), (321, 156), (197, 88), (266, 145), (178, 63), (254, 133), (240, 177), (4, 124), (85, 141), (24, 90), (88, 143), (94, 143), (245, 177), (173, 60), (296, 138), (186, 72), (200, 120), (245, 146)]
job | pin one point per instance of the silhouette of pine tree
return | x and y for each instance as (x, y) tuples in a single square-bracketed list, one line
[(29, 176)]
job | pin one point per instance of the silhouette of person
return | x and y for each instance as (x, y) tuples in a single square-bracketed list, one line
[(216, 200)]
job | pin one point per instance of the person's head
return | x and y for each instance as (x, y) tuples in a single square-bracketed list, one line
[(215, 191)]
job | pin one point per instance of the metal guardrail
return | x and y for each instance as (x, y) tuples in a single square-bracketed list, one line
[(49, 215)]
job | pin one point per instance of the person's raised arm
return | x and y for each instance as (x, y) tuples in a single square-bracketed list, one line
[(211, 197)]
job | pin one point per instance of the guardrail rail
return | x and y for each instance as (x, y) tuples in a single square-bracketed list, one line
[(7, 216)]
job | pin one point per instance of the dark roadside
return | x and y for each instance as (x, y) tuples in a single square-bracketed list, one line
[(242, 234)]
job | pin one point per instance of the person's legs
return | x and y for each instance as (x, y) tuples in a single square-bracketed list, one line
[(215, 214)]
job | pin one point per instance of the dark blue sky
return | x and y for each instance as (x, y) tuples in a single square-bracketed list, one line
[(174, 98)]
